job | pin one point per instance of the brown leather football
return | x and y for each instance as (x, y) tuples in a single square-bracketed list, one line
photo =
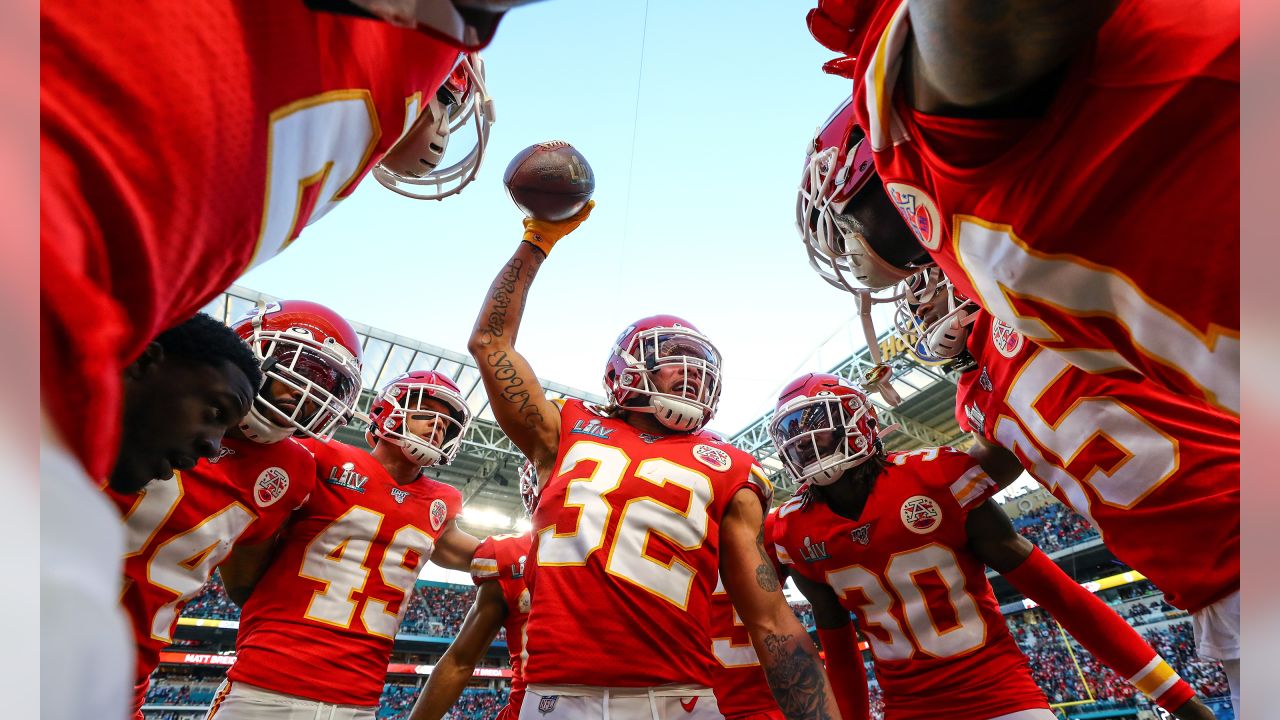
[(550, 181)]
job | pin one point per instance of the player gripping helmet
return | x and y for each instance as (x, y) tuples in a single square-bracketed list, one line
[(933, 316), (647, 348), (311, 356), (407, 398), (822, 427), (529, 487), (412, 166)]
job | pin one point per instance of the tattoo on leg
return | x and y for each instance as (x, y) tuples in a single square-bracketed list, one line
[(795, 678)]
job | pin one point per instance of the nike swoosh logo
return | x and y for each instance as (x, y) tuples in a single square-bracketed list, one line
[(688, 706)]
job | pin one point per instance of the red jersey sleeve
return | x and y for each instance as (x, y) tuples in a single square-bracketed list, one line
[(484, 564), (952, 475)]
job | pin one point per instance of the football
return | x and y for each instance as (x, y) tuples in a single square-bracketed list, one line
[(550, 181)]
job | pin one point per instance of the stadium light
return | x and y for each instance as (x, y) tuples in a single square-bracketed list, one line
[(486, 517), (523, 525)]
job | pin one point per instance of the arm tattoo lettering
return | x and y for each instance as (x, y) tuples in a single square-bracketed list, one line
[(504, 287), (513, 388), (795, 678), (766, 578)]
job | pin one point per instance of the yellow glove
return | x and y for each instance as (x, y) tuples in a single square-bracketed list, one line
[(543, 234)]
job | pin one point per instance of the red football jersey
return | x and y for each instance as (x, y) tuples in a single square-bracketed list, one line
[(502, 559), (1158, 474), (736, 676), (1108, 229), (178, 531), (627, 541), (182, 144), (321, 622), (940, 644)]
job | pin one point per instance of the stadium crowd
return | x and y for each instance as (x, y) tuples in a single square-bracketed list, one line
[(1054, 527)]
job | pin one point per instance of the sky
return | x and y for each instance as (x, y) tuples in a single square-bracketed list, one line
[(695, 117)]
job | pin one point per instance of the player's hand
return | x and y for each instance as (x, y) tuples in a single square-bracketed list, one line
[(544, 234), (1193, 709)]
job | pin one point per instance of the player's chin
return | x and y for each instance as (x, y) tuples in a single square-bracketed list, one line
[(134, 472)]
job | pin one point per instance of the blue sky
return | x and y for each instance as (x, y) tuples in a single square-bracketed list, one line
[(701, 224)]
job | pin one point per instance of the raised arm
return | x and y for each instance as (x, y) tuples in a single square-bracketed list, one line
[(454, 670), (1089, 620), (999, 55), (521, 408), (786, 653)]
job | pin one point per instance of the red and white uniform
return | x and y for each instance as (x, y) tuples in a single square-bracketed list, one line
[(940, 644), (1108, 229), (178, 531), (1158, 474), (627, 541), (741, 689), (321, 622), (182, 144), (502, 559)]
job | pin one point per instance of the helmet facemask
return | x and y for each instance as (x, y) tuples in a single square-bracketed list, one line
[(413, 403), (691, 400), (529, 487), (412, 166), (819, 438), (321, 381), (929, 312), (836, 243)]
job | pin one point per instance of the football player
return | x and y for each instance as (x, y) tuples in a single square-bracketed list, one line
[(502, 601), (903, 540), (1158, 474), (186, 389), (178, 532), (638, 512), (1182, 482), (182, 144), (1041, 155), (319, 620)]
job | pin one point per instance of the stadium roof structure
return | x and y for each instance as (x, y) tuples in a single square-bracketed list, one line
[(486, 468)]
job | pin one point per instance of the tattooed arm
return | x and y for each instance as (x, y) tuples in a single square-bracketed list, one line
[(521, 408), (999, 57), (789, 659)]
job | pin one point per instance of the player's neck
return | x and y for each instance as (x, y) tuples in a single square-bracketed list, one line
[(645, 423), (847, 497), (400, 468)]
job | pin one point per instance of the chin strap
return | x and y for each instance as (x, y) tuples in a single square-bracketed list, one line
[(875, 379)]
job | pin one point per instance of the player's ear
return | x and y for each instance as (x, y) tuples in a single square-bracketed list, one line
[(151, 358)]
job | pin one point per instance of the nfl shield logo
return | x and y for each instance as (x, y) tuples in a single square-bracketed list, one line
[(547, 704)]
